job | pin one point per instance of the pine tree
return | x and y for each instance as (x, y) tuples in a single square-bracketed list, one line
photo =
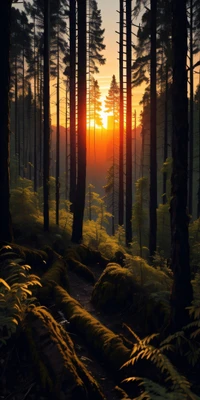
[(5, 32), (112, 101), (79, 204), (181, 295)]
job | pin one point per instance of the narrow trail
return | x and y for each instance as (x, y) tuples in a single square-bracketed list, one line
[(81, 291)]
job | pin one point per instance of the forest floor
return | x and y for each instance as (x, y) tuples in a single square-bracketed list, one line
[(81, 291), (17, 382)]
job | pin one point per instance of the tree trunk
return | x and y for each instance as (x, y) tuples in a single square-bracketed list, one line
[(58, 137), (81, 181), (128, 127), (181, 295), (16, 108), (190, 192), (198, 202), (5, 218), (121, 117), (35, 117), (153, 152), (66, 143), (165, 132), (72, 103), (46, 145)]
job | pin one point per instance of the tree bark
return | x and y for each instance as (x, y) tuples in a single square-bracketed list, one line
[(58, 137), (46, 145), (72, 103), (182, 294), (166, 132), (128, 127), (5, 218), (121, 118), (190, 194), (79, 204), (153, 141)]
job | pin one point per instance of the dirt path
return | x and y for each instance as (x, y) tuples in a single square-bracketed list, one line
[(81, 291)]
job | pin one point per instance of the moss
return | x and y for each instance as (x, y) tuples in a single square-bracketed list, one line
[(89, 256), (73, 260), (116, 289), (37, 259), (60, 371), (106, 344)]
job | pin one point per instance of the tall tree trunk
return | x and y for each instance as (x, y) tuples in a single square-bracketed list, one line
[(16, 107), (35, 117), (153, 150), (190, 192), (5, 218), (81, 181), (72, 103), (58, 136), (23, 111), (181, 295), (66, 143), (128, 126), (135, 147), (41, 126), (198, 194), (165, 153), (121, 117), (46, 145)]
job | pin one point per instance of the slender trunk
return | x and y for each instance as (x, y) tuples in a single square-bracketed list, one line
[(23, 111), (153, 152), (128, 126), (165, 133), (198, 202), (35, 117), (16, 107), (190, 192), (90, 204), (82, 98), (5, 218), (181, 295), (135, 149), (58, 137), (41, 141), (66, 144), (46, 145), (121, 118), (113, 179), (72, 103)]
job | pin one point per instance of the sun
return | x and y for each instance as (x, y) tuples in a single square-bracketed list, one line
[(104, 119)]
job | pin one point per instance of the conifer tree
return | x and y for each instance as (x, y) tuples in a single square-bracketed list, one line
[(5, 32), (181, 295)]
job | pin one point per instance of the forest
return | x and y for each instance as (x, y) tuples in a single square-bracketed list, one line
[(100, 200)]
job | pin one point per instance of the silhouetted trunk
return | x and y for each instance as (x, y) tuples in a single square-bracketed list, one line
[(41, 127), (128, 227), (121, 119), (181, 295), (135, 148), (190, 194), (58, 137), (23, 111), (165, 154), (46, 146), (153, 152), (5, 218), (66, 143), (16, 108), (35, 117), (72, 103), (198, 202), (81, 181)]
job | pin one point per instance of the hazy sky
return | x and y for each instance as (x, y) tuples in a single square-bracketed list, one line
[(110, 18)]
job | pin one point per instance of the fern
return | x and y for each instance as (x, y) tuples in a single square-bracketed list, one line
[(179, 385), (15, 293)]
